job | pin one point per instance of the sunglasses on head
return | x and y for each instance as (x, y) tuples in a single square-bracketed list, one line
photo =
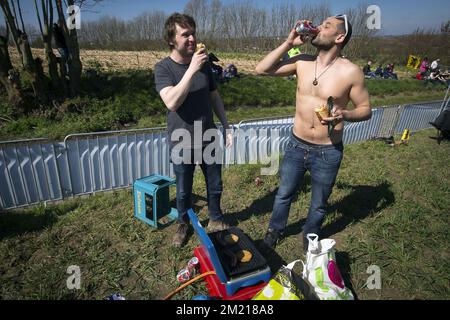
[(344, 17)]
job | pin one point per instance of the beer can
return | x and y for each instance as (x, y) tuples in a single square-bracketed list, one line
[(305, 27), (183, 275), (193, 266)]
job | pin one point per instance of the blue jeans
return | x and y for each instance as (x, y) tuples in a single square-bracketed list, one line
[(323, 162), (213, 177)]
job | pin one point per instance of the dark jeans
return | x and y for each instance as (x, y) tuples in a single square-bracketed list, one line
[(323, 162), (213, 177)]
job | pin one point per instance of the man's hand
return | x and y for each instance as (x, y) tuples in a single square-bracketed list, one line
[(337, 116), (229, 141), (294, 39), (198, 60)]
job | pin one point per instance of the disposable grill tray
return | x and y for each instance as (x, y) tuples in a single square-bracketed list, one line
[(244, 243)]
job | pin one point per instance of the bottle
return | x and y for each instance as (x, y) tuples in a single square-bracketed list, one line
[(305, 27)]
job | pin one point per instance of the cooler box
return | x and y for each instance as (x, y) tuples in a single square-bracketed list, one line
[(152, 202)]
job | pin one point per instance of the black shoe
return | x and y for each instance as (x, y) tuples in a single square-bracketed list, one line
[(272, 237), (217, 225), (181, 235)]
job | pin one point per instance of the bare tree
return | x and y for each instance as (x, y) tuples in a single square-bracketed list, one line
[(198, 9), (8, 76), (214, 17), (32, 67), (283, 18), (46, 28), (362, 36), (445, 27), (74, 61)]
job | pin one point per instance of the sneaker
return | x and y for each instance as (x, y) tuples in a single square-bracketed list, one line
[(181, 235), (217, 225), (272, 237)]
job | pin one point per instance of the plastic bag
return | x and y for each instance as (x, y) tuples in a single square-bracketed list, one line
[(321, 270), (285, 285)]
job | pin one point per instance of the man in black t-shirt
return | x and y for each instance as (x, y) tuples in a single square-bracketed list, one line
[(185, 83)]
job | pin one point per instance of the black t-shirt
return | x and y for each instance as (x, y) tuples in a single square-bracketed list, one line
[(198, 104)]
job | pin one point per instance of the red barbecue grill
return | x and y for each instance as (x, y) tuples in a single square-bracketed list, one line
[(234, 279)]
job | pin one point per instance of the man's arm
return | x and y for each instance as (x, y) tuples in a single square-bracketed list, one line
[(360, 99), (174, 96), (359, 96), (219, 110), (271, 64)]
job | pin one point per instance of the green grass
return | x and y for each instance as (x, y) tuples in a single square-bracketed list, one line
[(127, 100), (389, 208)]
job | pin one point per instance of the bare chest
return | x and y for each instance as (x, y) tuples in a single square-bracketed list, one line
[(322, 83)]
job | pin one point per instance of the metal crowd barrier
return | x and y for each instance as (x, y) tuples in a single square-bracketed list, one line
[(38, 170)]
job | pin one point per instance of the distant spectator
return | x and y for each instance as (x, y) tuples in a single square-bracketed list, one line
[(291, 53), (61, 45), (424, 66), (60, 41), (434, 65), (391, 71), (230, 72), (388, 72), (367, 72), (419, 76), (436, 77), (379, 71)]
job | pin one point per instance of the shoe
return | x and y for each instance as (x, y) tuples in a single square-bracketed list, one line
[(217, 225), (272, 237), (181, 235)]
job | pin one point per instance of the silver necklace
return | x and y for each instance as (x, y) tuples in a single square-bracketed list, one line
[(315, 82)]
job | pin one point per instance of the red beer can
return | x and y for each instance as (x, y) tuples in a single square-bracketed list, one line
[(305, 27), (183, 275), (193, 266)]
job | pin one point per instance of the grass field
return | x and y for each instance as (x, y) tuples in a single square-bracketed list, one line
[(389, 208), (128, 99), (108, 60), (119, 93)]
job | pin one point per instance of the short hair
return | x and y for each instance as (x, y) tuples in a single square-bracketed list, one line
[(170, 28), (341, 27)]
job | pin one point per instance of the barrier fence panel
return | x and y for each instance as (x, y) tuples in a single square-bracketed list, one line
[(418, 116), (100, 163), (361, 131), (37, 170), (29, 174)]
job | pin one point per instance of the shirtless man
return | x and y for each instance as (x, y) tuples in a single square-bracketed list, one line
[(310, 146)]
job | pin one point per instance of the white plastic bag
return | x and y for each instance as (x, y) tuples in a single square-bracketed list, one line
[(285, 285), (322, 272)]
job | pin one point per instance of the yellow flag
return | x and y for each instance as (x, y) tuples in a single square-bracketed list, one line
[(413, 62)]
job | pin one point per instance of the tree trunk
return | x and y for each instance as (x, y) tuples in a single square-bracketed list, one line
[(9, 78), (74, 62), (56, 80), (33, 68)]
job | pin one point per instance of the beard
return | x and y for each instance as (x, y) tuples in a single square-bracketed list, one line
[(185, 51), (322, 44)]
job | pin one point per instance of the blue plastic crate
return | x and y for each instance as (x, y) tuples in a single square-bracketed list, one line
[(152, 201)]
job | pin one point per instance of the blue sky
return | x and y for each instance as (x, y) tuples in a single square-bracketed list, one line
[(397, 16)]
